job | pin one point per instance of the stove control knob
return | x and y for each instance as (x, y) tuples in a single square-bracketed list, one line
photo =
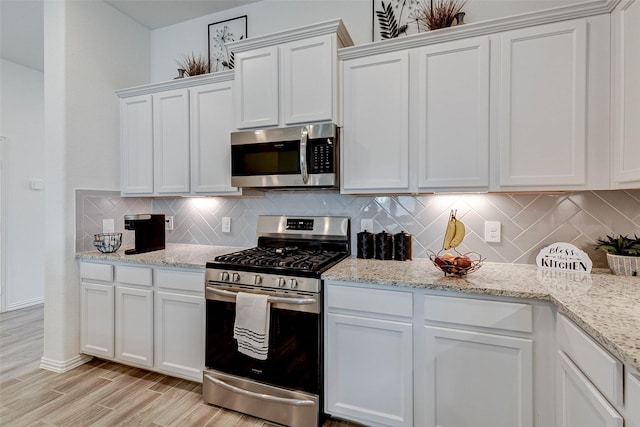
[(281, 282), (224, 276), (257, 279), (235, 277), (293, 283)]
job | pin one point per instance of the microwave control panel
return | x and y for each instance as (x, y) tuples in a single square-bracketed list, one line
[(322, 156)]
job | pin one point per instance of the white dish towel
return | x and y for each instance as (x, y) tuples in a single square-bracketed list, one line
[(251, 327)]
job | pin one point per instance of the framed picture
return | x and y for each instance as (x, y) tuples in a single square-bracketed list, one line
[(220, 33), (394, 18)]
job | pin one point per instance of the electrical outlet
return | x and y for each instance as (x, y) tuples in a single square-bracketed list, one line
[(366, 224), (492, 231), (226, 224), (108, 225), (168, 223)]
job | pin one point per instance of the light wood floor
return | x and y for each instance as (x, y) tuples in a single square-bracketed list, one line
[(21, 341), (101, 393)]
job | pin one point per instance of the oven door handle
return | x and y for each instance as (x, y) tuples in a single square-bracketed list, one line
[(273, 300), (283, 400)]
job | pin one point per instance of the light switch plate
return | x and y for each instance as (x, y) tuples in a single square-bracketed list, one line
[(366, 224), (226, 224), (492, 231), (108, 225)]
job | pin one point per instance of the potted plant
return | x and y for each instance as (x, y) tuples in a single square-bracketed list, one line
[(623, 254)]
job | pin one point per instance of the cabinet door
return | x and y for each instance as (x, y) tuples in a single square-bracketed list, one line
[(136, 138), (171, 141), (97, 319), (453, 115), (369, 370), (375, 143), (211, 125), (134, 325), (476, 379), (632, 400), (308, 80), (542, 114), (625, 138), (179, 335), (579, 402), (256, 87)]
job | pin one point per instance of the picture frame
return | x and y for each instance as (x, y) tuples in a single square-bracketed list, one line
[(400, 12), (219, 33)]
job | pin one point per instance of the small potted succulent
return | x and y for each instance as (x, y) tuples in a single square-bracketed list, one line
[(623, 254)]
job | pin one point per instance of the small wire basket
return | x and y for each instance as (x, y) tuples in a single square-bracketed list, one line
[(454, 263), (107, 242)]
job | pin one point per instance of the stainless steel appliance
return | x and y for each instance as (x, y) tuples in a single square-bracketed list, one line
[(299, 156), (149, 232), (286, 265)]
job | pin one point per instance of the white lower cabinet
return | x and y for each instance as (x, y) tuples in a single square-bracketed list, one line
[(476, 379), (369, 356), (134, 325), (632, 399), (137, 315), (580, 404), (179, 335), (97, 319)]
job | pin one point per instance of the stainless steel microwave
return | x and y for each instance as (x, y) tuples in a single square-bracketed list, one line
[(299, 156)]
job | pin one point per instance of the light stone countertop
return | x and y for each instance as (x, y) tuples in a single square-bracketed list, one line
[(174, 255), (606, 306)]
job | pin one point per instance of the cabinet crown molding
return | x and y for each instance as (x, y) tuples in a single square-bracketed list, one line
[(176, 84), (322, 28), (555, 14)]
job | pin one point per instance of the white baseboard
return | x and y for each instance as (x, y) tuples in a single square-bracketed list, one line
[(64, 366), (24, 304)]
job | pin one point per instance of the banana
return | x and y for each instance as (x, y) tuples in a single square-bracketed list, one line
[(450, 232), (458, 237), (454, 235)]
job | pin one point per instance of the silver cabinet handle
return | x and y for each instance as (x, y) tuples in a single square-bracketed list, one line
[(303, 155), (284, 400), (284, 300)]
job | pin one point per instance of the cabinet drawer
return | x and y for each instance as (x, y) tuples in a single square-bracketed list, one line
[(602, 369), (135, 275), (94, 271), (370, 300), (474, 312), (180, 280)]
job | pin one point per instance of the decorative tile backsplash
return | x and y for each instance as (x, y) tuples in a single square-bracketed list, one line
[(529, 221)]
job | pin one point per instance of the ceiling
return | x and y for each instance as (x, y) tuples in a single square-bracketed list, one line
[(22, 32)]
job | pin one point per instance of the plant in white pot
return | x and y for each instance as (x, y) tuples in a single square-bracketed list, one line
[(623, 254)]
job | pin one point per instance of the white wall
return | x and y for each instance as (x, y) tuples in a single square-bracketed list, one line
[(91, 50), (22, 118), (169, 44)]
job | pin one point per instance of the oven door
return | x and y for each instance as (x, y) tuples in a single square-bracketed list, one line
[(294, 358)]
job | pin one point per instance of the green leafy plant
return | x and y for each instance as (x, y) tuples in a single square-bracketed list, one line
[(620, 245)]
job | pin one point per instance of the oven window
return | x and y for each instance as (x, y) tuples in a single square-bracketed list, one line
[(273, 158), (294, 348)]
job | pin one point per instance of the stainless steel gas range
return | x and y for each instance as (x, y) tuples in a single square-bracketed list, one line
[(287, 264)]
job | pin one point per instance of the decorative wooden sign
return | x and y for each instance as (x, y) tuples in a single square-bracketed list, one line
[(564, 256)]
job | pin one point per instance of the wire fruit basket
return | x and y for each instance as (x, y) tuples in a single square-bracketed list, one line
[(107, 242), (453, 263)]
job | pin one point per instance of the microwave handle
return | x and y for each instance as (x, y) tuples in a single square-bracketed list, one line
[(303, 155)]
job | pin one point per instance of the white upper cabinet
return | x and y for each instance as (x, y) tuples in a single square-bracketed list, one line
[(625, 137), (288, 77), (171, 141), (211, 127), (453, 115), (257, 88), (552, 116), (136, 136), (176, 137), (375, 140), (417, 120)]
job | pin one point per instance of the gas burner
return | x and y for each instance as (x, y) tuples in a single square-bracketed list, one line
[(290, 258)]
